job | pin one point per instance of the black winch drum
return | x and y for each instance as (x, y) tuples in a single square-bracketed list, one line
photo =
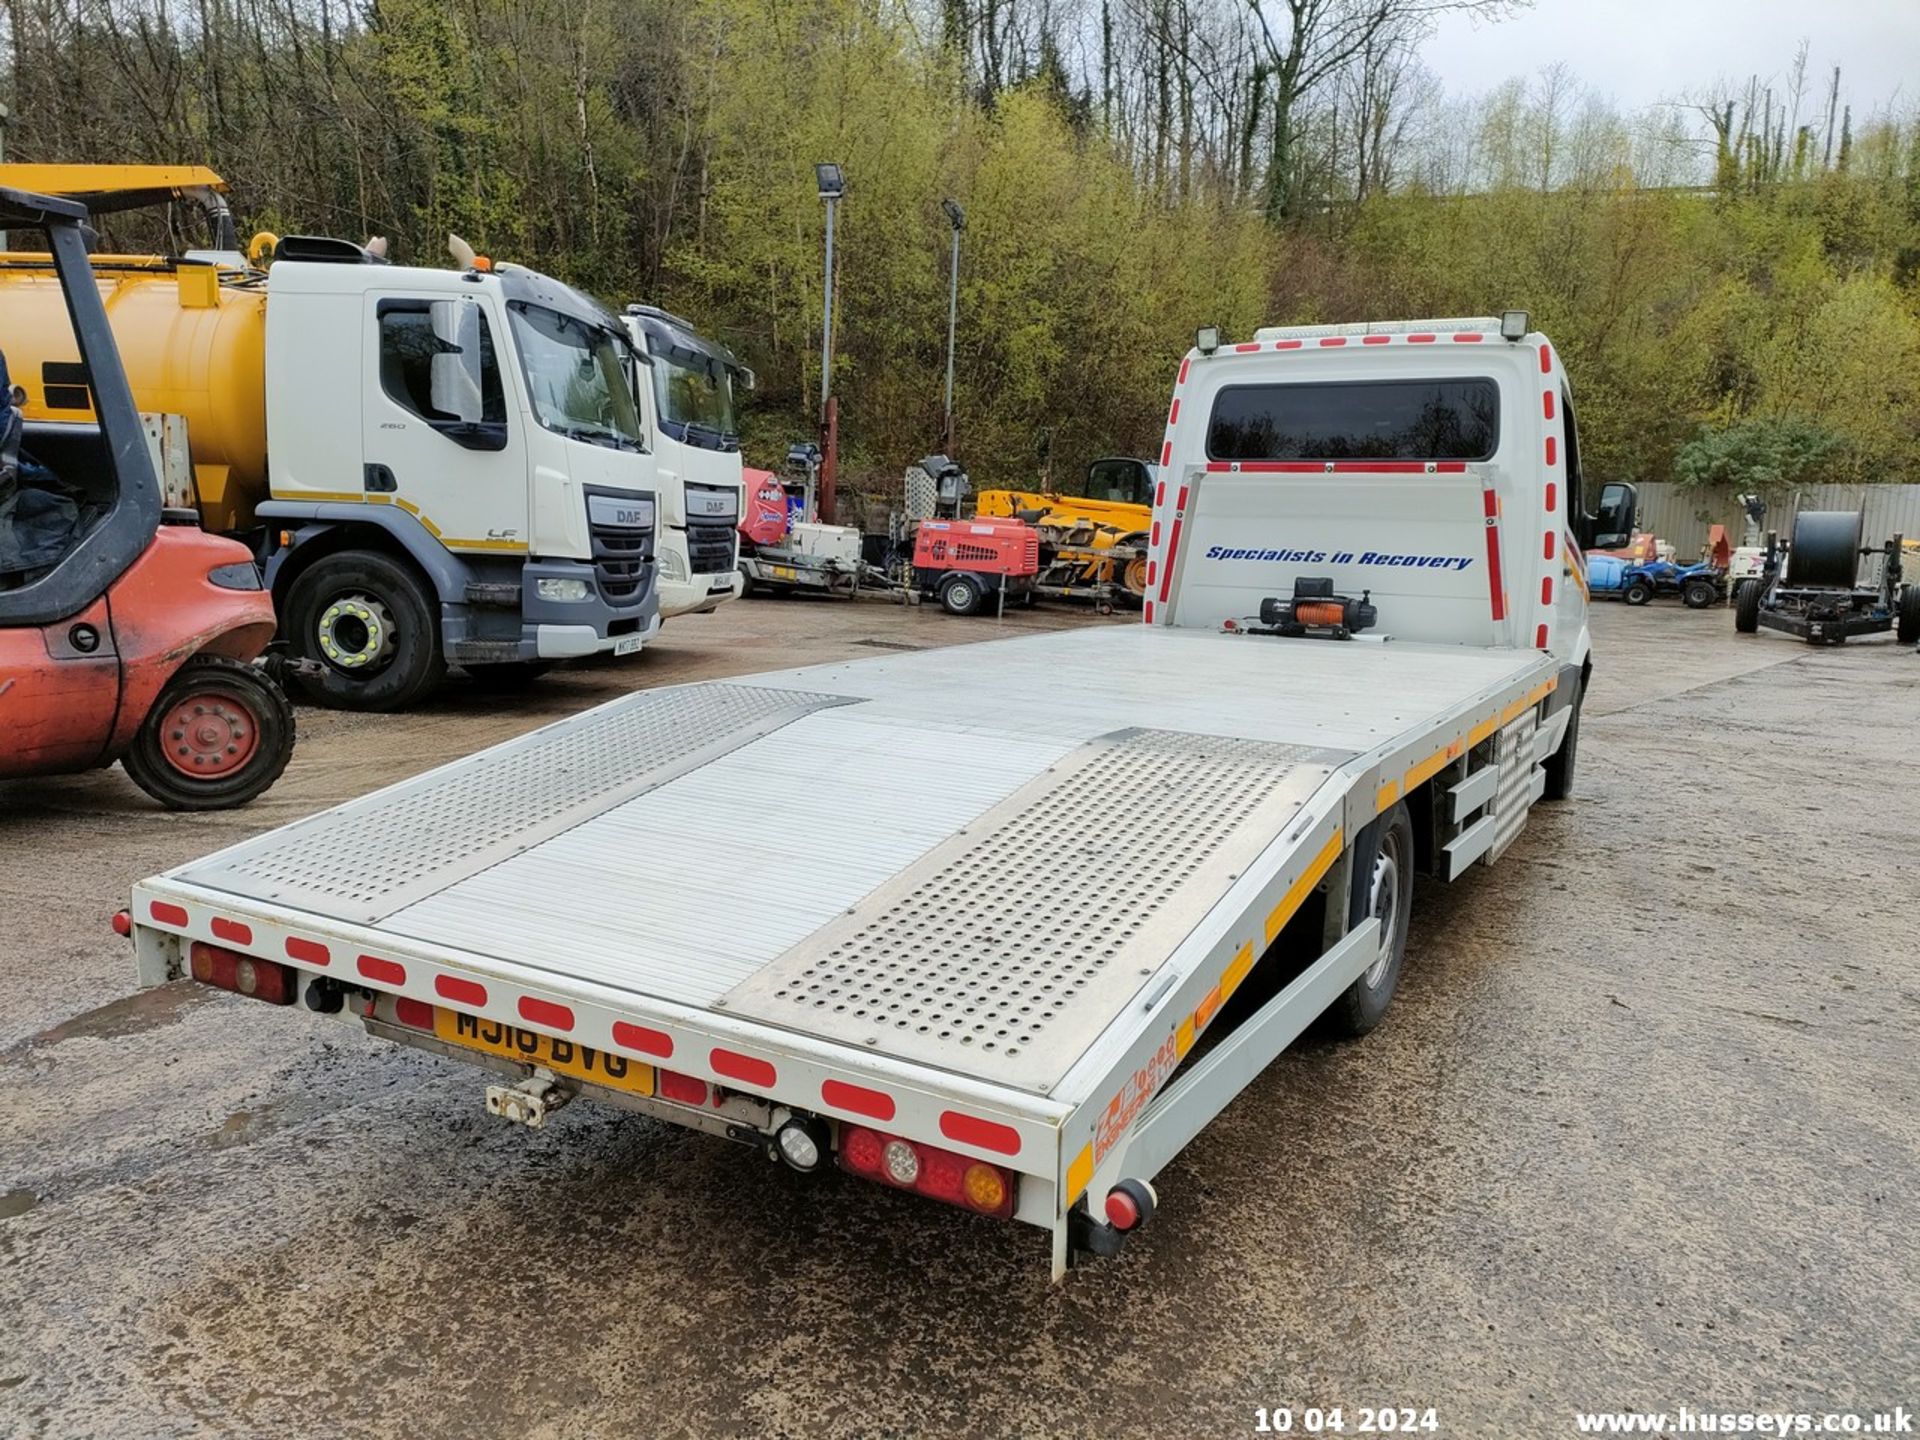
[(1826, 549)]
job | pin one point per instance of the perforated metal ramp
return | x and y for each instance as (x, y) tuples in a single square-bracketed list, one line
[(1005, 951), (364, 861)]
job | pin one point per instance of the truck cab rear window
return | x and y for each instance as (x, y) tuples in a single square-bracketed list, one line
[(1357, 420)]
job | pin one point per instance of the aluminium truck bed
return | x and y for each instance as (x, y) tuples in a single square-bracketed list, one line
[(984, 896)]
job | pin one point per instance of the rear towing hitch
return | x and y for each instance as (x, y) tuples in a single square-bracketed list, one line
[(528, 1103)]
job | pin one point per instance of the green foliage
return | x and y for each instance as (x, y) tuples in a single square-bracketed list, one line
[(662, 150), (1769, 456)]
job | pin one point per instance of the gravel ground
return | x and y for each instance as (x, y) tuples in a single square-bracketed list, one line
[(1641, 1131)]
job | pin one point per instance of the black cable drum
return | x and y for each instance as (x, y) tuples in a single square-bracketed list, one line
[(1826, 548)]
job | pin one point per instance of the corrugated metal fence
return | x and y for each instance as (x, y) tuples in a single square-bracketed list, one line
[(1681, 517)]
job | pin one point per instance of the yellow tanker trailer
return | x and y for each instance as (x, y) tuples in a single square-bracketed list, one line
[(193, 340)]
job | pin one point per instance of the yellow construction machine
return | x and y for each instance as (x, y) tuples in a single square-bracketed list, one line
[(1094, 541)]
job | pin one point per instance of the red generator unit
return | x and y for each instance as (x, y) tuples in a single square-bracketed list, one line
[(964, 563)]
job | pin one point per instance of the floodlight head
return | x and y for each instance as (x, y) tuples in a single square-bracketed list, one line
[(955, 215), (1514, 324), (832, 184), (1207, 339)]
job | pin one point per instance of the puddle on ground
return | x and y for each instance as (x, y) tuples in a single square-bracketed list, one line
[(243, 1127), (16, 1202), (131, 1014)]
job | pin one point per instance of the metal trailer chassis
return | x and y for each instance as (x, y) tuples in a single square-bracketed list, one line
[(792, 570)]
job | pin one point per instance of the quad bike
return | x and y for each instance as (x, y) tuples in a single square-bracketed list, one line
[(1698, 586)]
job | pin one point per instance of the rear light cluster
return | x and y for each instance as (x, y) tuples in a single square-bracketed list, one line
[(938, 1174), (224, 969)]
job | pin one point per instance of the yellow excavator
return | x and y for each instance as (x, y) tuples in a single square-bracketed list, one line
[(1093, 540)]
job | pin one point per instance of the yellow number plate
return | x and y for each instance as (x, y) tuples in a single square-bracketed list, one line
[(530, 1047), (785, 572)]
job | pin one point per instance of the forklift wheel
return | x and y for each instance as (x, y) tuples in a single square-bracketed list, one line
[(218, 735), (1746, 607)]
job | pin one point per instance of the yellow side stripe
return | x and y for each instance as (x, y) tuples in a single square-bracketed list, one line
[(1298, 891), (1481, 731), (1386, 795), (1079, 1173), (1431, 766), (1236, 971)]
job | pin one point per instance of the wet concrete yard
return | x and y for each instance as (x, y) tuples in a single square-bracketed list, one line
[(1641, 1130)]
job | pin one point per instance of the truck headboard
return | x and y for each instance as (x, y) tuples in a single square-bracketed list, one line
[(1423, 539)]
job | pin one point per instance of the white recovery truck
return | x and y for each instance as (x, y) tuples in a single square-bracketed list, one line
[(1088, 884), (688, 396)]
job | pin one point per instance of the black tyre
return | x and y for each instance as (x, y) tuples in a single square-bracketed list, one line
[(1382, 888), (1559, 768), (961, 594), (1638, 592), (746, 583), (219, 733), (372, 623), (1907, 615), (1699, 594), (507, 676), (1746, 607)]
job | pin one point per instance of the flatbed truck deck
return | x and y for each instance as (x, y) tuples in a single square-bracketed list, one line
[(1077, 891)]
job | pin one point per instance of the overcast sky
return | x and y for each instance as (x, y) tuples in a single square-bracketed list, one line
[(1643, 51)]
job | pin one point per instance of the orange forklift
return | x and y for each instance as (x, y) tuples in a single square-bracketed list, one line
[(126, 631)]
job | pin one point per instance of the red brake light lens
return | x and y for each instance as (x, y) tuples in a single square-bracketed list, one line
[(225, 969), (940, 1174), (681, 1089)]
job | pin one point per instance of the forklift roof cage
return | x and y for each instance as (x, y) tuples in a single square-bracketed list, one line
[(103, 554)]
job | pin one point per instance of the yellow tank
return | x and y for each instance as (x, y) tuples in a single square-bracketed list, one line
[(193, 340)]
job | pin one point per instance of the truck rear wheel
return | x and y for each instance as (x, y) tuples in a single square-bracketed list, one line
[(1746, 607), (1381, 889), (219, 734), (373, 626)]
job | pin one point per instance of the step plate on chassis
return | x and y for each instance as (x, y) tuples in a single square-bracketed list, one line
[(363, 861), (1007, 949)]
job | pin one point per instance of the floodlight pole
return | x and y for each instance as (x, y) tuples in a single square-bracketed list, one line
[(832, 186), (958, 218)]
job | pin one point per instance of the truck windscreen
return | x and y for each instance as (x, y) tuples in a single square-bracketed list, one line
[(1357, 420), (576, 377), (695, 395)]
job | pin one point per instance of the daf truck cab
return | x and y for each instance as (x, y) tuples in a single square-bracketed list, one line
[(688, 390), (432, 466)]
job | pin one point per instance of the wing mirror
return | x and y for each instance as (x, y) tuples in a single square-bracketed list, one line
[(1611, 525)]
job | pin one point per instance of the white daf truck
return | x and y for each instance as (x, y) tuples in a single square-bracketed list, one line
[(688, 394), (1363, 657)]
